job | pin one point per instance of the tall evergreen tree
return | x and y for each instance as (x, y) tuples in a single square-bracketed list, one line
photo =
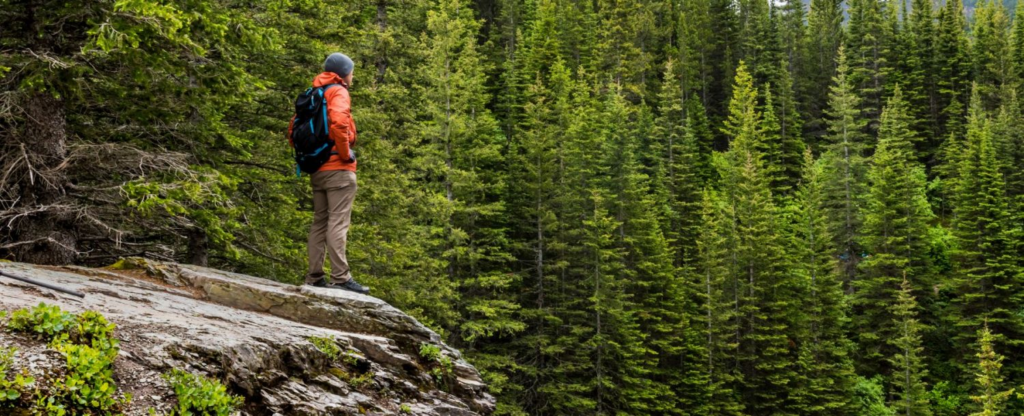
[(991, 52), (986, 277), (764, 286), (990, 398), (824, 36), (824, 350), (952, 70), (845, 170), (911, 394), (868, 46), (896, 216), (713, 271), (461, 158)]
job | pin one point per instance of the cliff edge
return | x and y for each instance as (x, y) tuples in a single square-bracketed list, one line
[(255, 336)]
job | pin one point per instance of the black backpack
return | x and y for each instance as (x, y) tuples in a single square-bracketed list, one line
[(310, 137)]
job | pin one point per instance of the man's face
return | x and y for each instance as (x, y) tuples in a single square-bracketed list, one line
[(348, 78)]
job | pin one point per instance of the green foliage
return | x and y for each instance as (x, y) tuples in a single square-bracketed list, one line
[(198, 395), (87, 342), (869, 398), (44, 321), (440, 365), (14, 387), (990, 395), (89, 384), (596, 202), (327, 345), (404, 408)]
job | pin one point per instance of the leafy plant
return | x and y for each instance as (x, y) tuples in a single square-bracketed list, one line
[(404, 408), (430, 352), (45, 321), (441, 366), (91, 326), (12, 390), (327, 346), (89, 384), (199, 395)]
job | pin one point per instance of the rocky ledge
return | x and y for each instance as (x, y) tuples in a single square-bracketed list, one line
[(254, 335)]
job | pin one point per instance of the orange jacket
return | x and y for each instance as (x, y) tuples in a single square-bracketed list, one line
[(342, 129)]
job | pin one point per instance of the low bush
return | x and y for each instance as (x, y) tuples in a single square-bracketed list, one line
[(14, 389), (199, 395), (44, 321), (87, 342)]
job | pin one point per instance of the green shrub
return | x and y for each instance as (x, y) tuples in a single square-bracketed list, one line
[(12, 389), (430, 352), (89, 383), (404, 408), (91, 326), (44, 321), (327, 346), (89, 348), (441, 366), (199, 395)]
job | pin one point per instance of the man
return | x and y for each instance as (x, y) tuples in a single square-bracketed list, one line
[(334, 184)]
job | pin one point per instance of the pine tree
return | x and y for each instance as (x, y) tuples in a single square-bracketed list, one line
[(991, 52), (953, 69), (911, 394), (713, 271), (824, 350), (896, 216), (1017, 48), (918, 68), (763, 287), (824, 36), (461, 156), (986, 277), (867, 49), (682, 175), (990, 397), (845, 170)]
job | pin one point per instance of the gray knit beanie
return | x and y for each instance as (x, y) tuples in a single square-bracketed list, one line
[(339, 63)]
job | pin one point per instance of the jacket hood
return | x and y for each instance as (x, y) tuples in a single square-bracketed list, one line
[(326, 78)]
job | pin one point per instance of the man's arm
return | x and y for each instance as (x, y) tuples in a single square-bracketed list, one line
[(340, 114)]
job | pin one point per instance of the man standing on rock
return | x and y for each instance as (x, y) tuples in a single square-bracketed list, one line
[(334, 183)]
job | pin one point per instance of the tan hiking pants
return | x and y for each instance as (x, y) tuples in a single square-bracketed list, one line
[(333, 193)]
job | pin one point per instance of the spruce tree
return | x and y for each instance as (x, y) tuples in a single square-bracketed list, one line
[(764, 287), (867, 49), (990, 397), (953, 69), (824, 36), (713, 272), (460, 158), (919, 64), (986, 276), (991, 52), (824, 350), (910, 390), (845, 170), (896, 216)]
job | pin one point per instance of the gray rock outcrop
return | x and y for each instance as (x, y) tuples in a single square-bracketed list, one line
[(253, 334)]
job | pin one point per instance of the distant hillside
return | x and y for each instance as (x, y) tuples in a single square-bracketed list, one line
[(969, 5)]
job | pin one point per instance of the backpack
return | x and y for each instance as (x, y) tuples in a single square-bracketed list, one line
[(310, 137)]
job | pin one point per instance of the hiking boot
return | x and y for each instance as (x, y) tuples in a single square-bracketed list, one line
[(319, 282), (350, 285)]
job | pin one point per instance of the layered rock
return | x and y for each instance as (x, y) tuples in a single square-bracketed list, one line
[(254, 335)]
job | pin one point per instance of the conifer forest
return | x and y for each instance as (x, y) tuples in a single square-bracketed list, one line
[(611, 207)]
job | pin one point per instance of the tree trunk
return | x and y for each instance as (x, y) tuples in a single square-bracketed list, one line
[(198, 247), (46, 237)]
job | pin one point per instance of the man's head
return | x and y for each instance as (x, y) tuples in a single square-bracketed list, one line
[(340, 64)]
